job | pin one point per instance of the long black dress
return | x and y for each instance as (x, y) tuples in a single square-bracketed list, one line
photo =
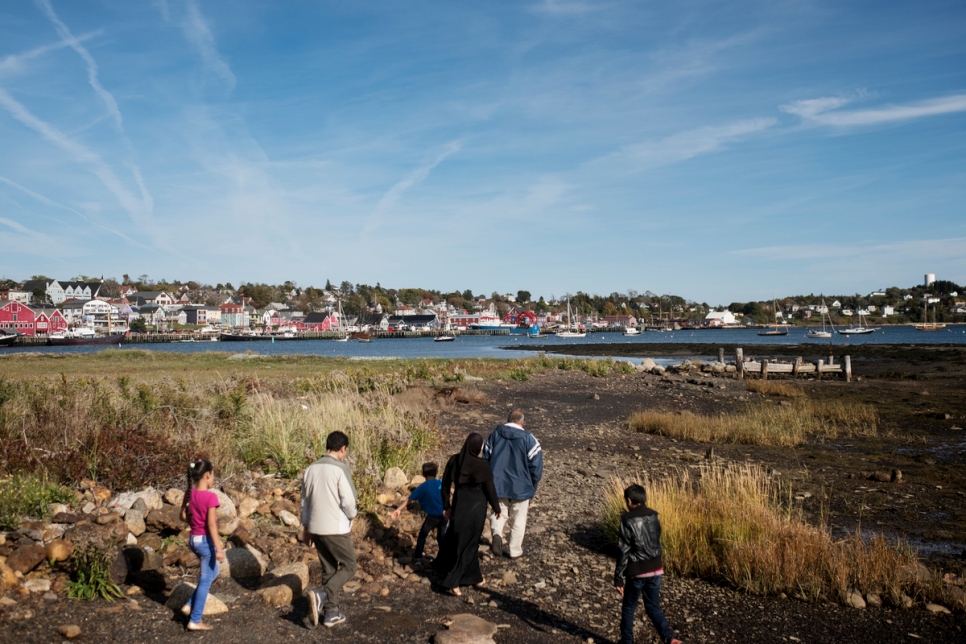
[(458, 563)]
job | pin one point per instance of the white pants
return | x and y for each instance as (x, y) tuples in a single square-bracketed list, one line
[(516, 513)]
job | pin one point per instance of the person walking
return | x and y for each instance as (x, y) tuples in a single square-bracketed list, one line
[(328, 507), (640, 566), (458, 563), (199, 509), (516, 459), (430, 499)]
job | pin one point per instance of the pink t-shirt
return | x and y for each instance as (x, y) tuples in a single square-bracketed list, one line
[(201, 501)]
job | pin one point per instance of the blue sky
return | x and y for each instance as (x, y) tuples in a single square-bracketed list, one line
[(719, 151)]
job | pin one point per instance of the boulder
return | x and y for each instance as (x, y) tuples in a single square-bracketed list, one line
[(467, 629), (289, 519), (100, 536), (120, 567), (647, 364), (247, 507), (182, 593), (226, 508), (416, 481), (151, 498), (657, 370), (227, 526), (395, 478), (26, 558), (167, 518), (243, 563), (8, 579), (280, 595), (854, 599), (294, 575), (174, 496), (54, 509), (59, 550), (134, 521)]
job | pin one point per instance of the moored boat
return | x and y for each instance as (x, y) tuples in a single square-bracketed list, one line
[(8, 340), (228, 336), (776, 330), (83, 337)]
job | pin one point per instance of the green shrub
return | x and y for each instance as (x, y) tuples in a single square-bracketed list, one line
[(92, 577), (22, 496)]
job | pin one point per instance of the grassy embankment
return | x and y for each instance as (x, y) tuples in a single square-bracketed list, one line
[(129, 418)]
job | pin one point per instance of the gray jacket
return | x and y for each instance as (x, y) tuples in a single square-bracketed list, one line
[(328, 497)]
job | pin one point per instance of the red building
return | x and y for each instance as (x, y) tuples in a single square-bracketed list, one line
[(50, 321), (18, 317)]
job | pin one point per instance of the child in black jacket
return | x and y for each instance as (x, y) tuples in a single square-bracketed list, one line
[(640, 567)]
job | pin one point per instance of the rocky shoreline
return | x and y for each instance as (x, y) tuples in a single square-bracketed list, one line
[(560, 592)]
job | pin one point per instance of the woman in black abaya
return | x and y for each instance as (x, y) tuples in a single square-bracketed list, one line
[(458, 563)]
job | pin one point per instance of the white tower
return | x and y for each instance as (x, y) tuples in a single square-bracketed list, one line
[(930, 278)]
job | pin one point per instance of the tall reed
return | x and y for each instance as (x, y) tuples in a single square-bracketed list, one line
[(728, 524)]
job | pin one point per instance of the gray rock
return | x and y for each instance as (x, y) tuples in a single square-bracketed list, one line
[(395, 478), (938, 609), (467, 629), (294, 576), (243, 563), (134, 521), (180, 596), (854, 599), (174, 496), (26, 558)]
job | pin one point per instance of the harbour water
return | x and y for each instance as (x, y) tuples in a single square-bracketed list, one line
[(496, 346)]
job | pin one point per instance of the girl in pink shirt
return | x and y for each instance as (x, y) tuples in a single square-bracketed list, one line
[(200, 510)]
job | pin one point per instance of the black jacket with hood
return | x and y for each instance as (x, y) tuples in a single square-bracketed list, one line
[(639, 540)]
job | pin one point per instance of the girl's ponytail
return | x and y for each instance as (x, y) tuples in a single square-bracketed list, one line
[(196, 469)]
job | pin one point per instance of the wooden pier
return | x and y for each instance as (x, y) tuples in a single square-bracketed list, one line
[(799, 367)]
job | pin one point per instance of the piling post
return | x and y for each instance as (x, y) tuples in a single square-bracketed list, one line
[(721, 355), (795, 364), (848, 368), (764, 369), (740, 362), (818, 370)]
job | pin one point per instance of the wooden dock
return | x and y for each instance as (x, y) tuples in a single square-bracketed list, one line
[(799, 367)]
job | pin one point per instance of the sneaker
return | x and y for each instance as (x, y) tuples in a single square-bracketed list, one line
[(496, 547), (317, 599), (333, 618)]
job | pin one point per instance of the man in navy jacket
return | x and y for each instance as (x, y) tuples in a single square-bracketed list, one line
[(517, 463)]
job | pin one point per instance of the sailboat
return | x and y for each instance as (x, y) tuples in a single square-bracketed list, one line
[(776, 330), (930, 326), (861, 329), (343, 332), (815, 333), (573, 331)]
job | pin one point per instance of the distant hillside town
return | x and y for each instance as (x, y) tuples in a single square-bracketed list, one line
[(43, 305)]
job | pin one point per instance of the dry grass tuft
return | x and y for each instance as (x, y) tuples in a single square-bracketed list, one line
[(764, 424), (774, 388), (727, 524)]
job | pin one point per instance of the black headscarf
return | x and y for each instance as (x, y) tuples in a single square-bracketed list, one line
[(471, 450)]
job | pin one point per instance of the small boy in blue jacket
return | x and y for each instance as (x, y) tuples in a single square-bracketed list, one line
[(430, 498)]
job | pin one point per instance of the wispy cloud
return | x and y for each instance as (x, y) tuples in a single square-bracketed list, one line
[(106, 97), (50, 202), (826, 111), (81, 154), (855, 252), (395, 193), (685, 145), (198, 33), (15, 62)]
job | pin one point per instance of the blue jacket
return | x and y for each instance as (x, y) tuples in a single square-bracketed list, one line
[(516, 461)]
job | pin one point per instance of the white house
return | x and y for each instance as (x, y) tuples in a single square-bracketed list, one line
[(888, 310), (94, 308), (719, 318)]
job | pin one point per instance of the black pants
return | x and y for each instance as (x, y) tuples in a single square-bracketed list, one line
[(431, 523)]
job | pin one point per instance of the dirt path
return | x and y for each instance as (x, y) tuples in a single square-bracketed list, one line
[(563, 587)]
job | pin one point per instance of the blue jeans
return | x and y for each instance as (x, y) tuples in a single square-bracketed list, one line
[(431, 522), (650, 589), (204, 547)]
